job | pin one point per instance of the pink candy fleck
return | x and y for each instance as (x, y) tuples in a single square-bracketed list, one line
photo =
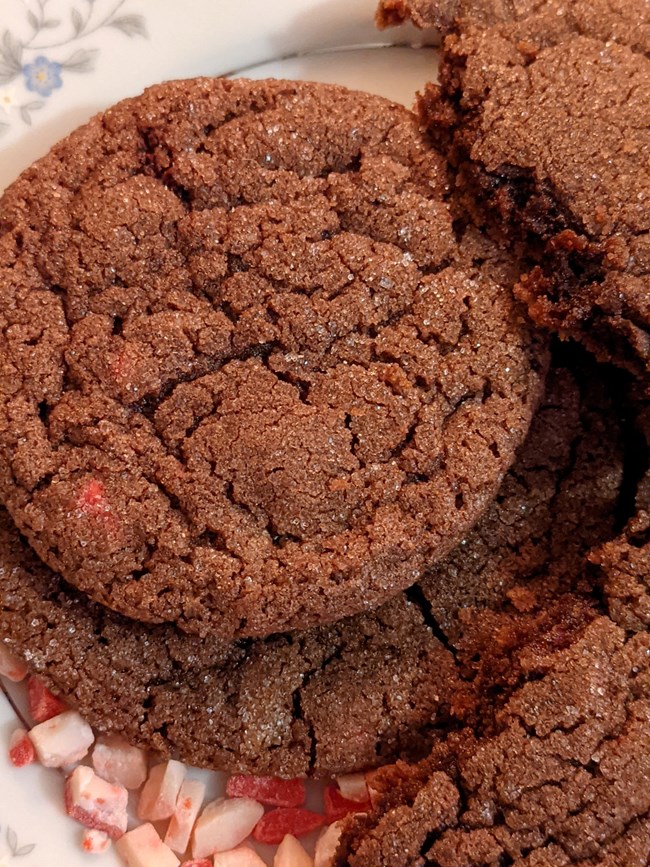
[(92, 498)]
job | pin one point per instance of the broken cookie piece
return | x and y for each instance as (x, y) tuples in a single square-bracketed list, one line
[(563, 781)]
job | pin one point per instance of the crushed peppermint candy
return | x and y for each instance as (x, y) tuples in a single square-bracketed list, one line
[(224, 824), (187, 832), (95, 842), (11, 667), (117, 761), (291, 853), (142, 847), (21, 749), (241, 856), (160, 792), (267, 790), (96, 803), (43, 705), (337, 807), (189, 802), (62, 740), (327, 844), (275, 825)]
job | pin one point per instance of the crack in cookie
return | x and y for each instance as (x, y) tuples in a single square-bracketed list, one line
[(252, 379)]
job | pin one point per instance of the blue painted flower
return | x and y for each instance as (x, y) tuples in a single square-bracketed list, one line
[(42, 75)]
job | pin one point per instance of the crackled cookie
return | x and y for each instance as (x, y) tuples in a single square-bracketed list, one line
[(537, 23), (251, 379), (557, 499), (362, 691), (562, 781), (544, 110)]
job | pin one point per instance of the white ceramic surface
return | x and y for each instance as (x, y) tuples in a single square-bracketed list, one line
[(63, 60)]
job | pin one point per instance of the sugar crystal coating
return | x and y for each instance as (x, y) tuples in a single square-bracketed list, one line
[(250, 381)]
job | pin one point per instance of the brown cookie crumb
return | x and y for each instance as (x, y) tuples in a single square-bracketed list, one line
[(544, 111)]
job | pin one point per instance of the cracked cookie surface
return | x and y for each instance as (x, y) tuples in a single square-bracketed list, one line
[(543, 108), (537, 23), (367, 689), (251, 380), (564, 781)]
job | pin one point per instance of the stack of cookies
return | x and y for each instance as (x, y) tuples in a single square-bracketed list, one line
[(543, 112), (298, 478)]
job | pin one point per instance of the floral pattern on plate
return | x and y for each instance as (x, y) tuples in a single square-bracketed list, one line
[(55, 42)]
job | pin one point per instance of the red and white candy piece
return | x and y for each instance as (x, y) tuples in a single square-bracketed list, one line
[(43, 704), (267, 790), (142, 847), (291, 853), (336, 806), (354, 787), (276, 824), (190, 799), (327, 844), (62, 740), (160, 793), (224, 824), (11, 667), (96, 803), (373, 793), (95, 842), (21, 749), (241, 856), (118, 762)]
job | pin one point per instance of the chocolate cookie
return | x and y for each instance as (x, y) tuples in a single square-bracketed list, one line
[(537, 23), (564, 780), (559, 774), (251, 380), (360, 692), (550, 128)]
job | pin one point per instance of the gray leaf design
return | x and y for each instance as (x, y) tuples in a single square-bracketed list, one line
[(131, 25), (81, 61), (25, 110), (12, 840), (25, 850), (6, 74), (33, 20), (50, 23), (11, 51), (77, 21)]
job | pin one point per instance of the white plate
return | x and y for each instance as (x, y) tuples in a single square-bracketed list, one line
[(63, 60)]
